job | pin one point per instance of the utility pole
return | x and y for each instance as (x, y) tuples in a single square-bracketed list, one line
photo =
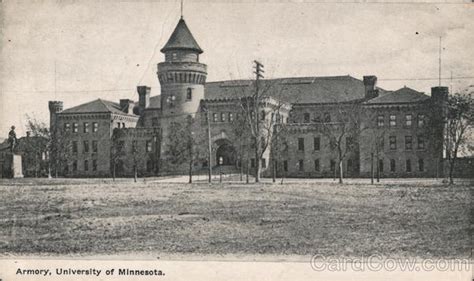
[(209, 144), (258, 72), (439, 62)]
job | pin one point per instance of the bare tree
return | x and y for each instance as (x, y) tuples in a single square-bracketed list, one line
[(343, 128), (186, 145), (459, 120)]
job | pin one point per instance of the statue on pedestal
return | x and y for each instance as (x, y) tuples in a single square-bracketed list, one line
[(12, 140)]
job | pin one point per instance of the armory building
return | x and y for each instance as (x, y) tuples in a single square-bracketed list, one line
[(398, 133)]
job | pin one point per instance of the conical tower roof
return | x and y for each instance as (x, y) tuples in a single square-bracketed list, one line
[(181, 39)]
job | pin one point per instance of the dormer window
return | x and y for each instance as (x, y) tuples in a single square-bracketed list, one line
[(189, 94)]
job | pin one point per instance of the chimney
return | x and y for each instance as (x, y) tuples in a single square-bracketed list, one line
[(126, 105), (370, 83), (439, 94), (143, 97)]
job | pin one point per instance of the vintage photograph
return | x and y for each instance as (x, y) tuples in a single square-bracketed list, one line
[(316, 132)]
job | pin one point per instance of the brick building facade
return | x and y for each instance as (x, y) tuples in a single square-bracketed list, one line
[(398, 134)]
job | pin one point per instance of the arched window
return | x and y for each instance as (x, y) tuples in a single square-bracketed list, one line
[(189, 94)]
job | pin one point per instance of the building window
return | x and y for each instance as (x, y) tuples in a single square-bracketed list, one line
[(392, 165), (421, 165), (333, 165), (317, 118), (317, 143), (393, 120), (118, 125), (349, 143), (149, 146), (408, 165), (327, 117), (94, 165), (231, 117), (74, 166), (301, 144), (421, 142), (301, 165), (75, 127), (317, 167), (285, 165), (67, 126), (222, 117), (214, 117), (421, 120), (94, 146), (86, 165), (408, 143), (74, 147), (86, 146), (306, 117), (86, 127), (264, 163), (381, 165), (252, 163), (123, 124), (154, 121), (380, 121), (189, 94), (149, 166), (393, 142), (95, 127), (408, 119), (349, 165)]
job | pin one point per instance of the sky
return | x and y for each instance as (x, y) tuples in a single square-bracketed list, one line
[(78, 51)]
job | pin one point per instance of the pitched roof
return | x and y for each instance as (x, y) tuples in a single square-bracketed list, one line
[(181, 39), (403, 95), (98, 105), (294, 90)]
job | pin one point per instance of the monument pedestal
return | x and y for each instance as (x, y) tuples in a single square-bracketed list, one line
[(16, 167)]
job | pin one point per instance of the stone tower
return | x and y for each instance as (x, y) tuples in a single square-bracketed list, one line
[(181, 75), (54, 108)]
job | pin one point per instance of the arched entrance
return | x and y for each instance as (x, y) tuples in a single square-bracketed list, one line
[(225, 153)]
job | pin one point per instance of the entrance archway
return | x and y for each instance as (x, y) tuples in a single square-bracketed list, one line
[(225, 153)]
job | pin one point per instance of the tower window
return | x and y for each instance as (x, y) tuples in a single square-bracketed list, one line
[(189, 94)]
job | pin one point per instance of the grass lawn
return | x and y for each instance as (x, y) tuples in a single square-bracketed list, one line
[(93, 217)]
